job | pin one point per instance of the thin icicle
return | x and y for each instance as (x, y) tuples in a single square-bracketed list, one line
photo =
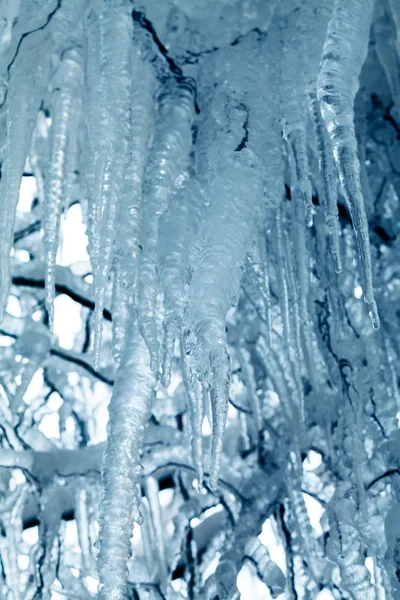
[(24, 95), (248, 377), (129, 411), (344, 53), (93, 142), (301, 258), (166, 171), (127, 243), (328, 176), (82, 516), (196, 415), (115, 78), (34, 345), (281, 279), (28, 74), (66, 86), (121, 311), (153, 498), (72, 163)]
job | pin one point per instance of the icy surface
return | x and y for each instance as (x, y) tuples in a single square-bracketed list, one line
[(236, 163)]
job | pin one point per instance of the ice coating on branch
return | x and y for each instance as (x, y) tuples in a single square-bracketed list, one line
[(66, 84), (345, 548), (345, 51), (268, 571), (129, 411)]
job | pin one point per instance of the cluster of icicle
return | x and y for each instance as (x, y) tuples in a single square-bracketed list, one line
[(183, 171)]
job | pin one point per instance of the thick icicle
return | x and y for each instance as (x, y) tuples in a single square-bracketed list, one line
[(166, 171), (214, 285), (66, 86), (115, 78), (129, 411), (345, 51)]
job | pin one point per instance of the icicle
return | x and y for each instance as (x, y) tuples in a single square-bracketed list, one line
[(165, 173), (28, 74), (256, 281), (301, 258), (152, 494), (295, 49), (66, 86), (72, 157), (51, 509), (129, 411), (34, 344), (328, 176), (196, 415), (248, 377), (267, 570), (282, 280), (121, 311), (344, 53), (93, 142), (127, 243), (24, 95), (226, 235), (11, 521), (178, 227), (115, 79), (82, 516)]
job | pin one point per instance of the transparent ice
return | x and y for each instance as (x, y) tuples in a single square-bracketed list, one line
[(235, 322)]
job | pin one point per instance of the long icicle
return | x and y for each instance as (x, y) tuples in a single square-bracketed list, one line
[(129, 411), (116, 48), (345, 51), (168, 163), (66, 90), (328, 176)]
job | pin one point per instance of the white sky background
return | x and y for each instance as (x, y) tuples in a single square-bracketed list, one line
[(67, 324)]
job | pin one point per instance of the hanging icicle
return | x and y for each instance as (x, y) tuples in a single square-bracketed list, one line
[(345, 51), (129, 411), (66, 90)]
